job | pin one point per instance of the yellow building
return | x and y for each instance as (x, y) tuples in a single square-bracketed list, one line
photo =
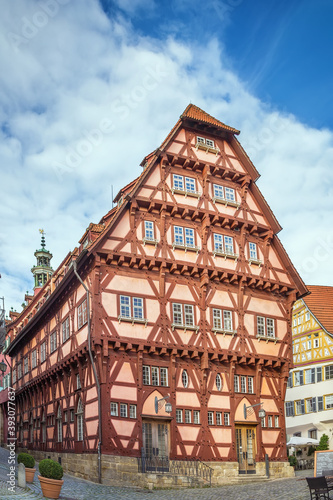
[(309, 397)]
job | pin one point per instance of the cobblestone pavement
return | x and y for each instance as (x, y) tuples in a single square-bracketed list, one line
[(78, 489)]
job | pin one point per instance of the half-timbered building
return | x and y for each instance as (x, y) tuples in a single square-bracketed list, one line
[(182, 294)]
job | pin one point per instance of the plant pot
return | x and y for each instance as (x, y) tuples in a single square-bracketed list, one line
[(29, 475), (50, 487)]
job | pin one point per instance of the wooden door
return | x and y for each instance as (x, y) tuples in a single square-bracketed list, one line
[(246, 449), (156, 445)]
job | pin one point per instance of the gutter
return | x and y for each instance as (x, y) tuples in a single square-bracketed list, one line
[(95, 375)]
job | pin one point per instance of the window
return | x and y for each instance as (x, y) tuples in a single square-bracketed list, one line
[(227, 320), (79, 420), (270, 421), (310, 376), (65, 330), (131, 308), (185, 379), (307, 316), (157, 375), (253, 251), (320, 403), (298, 378), (250, 385), (290, 380), (310, 405), (224, 245), (189, 237), (178, 182), (149, 230), (329, 402), (14, 376), (230, 194), (227, 419), (218, 418), (72, 415), (276, 420), (114, 409), (300, 408), (263, 422), (295, 322), (203, 143), (78, 381), (328, 372), (299, 319), (43, 352), (185, 311), (188, 416), (218, 382), (190, 184), (243, 383), (132, 411), (218, 191), (43, 428), (210, 418), (154, 375), (82, 316), (164, 377), (59, 425), (53, 341), (236, 383), (146, 375), (26, 365), (179, 235), (315, 342), (319, 374), (312, 433), (309, 345), (265, 327), (289, 409), (123, 410), (179, 416), (196, 417)]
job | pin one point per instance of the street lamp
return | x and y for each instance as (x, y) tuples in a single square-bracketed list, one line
[(248, 410), (3, 366), (159, 403)]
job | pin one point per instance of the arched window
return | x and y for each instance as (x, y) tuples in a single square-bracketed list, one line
[(79, 420), (59, 425), (218, 382), (185, 378)]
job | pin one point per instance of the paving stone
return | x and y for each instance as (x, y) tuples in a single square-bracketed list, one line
[(80, 489)]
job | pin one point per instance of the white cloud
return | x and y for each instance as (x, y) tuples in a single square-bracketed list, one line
[(85, 98)]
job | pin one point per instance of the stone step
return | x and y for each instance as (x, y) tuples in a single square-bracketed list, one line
[(249, 478)]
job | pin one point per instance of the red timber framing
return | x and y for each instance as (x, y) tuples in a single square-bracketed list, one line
[(191, 296)]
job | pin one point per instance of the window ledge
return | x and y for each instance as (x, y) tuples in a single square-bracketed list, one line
[(208, 149), (225, 332), (194, 194), (225, 202), (185, 327), (185, 247), (257, 262), (150, 242), (133, 320), (226, 255), (267, 339)]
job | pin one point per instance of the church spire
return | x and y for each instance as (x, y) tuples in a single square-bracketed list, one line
[(43, 271)]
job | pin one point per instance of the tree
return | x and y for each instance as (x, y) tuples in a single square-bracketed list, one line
[(323, 443)]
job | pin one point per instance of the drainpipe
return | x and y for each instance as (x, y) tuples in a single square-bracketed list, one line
[(95, 375)]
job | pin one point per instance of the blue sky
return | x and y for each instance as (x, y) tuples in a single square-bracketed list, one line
[(77, 115)]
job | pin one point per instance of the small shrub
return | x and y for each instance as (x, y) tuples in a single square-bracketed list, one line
[(311, 450), (50, 469), (323, 443), (292, 461), (26, 459)]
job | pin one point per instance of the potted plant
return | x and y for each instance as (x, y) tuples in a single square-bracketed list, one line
[(292, 461), (29, 462), (50, 478)]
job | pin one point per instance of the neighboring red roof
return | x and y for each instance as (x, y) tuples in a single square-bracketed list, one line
[(199, 115), (320, 303)]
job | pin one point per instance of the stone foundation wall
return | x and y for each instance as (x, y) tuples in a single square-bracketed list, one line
[(120, 471)]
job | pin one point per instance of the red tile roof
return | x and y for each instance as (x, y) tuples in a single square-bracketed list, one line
[(320, 303), (199, 115)]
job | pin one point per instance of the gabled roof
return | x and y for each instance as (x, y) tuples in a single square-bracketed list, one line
[(199, 115), (320, 303)]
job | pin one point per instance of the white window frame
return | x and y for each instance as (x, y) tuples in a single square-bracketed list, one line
[(226, 418), (123, 410), (184, 313), (43, 352), (250, 385), (185, 379), (218, 417), (82, 314), (149, 230), (132, 309), (132, 411), (210, 418), (65, 330), (243, 384), (236, 383), (196, 417), (79, 420), (114, 409), (188, 416), (218, 382), (179, 416)]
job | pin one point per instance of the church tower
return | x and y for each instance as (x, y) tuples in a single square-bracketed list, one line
[(43, 270)]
